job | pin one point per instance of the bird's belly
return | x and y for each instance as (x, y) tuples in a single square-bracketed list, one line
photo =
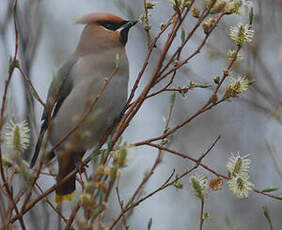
[(107, 108)]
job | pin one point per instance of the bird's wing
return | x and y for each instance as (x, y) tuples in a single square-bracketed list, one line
[(60, 88)]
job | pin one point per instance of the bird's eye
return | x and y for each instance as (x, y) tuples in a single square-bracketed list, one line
[(109, 25)]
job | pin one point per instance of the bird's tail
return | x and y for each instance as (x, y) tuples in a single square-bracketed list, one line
[(65, 190)]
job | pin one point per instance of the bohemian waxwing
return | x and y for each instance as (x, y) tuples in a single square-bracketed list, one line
[(80, 79)]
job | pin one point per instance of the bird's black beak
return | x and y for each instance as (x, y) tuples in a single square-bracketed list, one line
[(130, 24), (124, 31)]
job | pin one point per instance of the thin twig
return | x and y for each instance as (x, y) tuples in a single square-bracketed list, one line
[(28, 81), (156, 162), (162, 187), (197, 161), (131, 205), (11, 70), (202, 213), (51, 205), (121, 206), (72, 216), (147, 25)]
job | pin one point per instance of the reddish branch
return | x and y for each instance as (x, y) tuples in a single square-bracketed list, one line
[(202, 214), (12, 67), (131, 205)]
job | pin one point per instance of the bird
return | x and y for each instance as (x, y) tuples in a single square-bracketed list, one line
[(76, 83)]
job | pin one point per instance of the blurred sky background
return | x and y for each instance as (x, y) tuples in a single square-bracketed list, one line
[(245, 125)]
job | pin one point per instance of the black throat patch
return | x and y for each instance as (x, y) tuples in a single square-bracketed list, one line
[(123, 36)]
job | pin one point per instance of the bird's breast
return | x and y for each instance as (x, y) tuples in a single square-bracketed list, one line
[(89, 79), (101, 65)]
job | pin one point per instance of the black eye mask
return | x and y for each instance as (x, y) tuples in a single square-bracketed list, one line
[(110, 25)]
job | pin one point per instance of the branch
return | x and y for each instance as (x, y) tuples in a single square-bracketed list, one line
[(11, 70)]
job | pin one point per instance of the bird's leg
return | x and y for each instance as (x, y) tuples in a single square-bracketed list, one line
[(85, 174), (79, 165), (118, 119), (80, 169), (83, 165)]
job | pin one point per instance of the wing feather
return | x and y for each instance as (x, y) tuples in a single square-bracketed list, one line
[(60, 88)]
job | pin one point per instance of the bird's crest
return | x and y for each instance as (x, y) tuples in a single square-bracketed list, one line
[(95, 17)]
